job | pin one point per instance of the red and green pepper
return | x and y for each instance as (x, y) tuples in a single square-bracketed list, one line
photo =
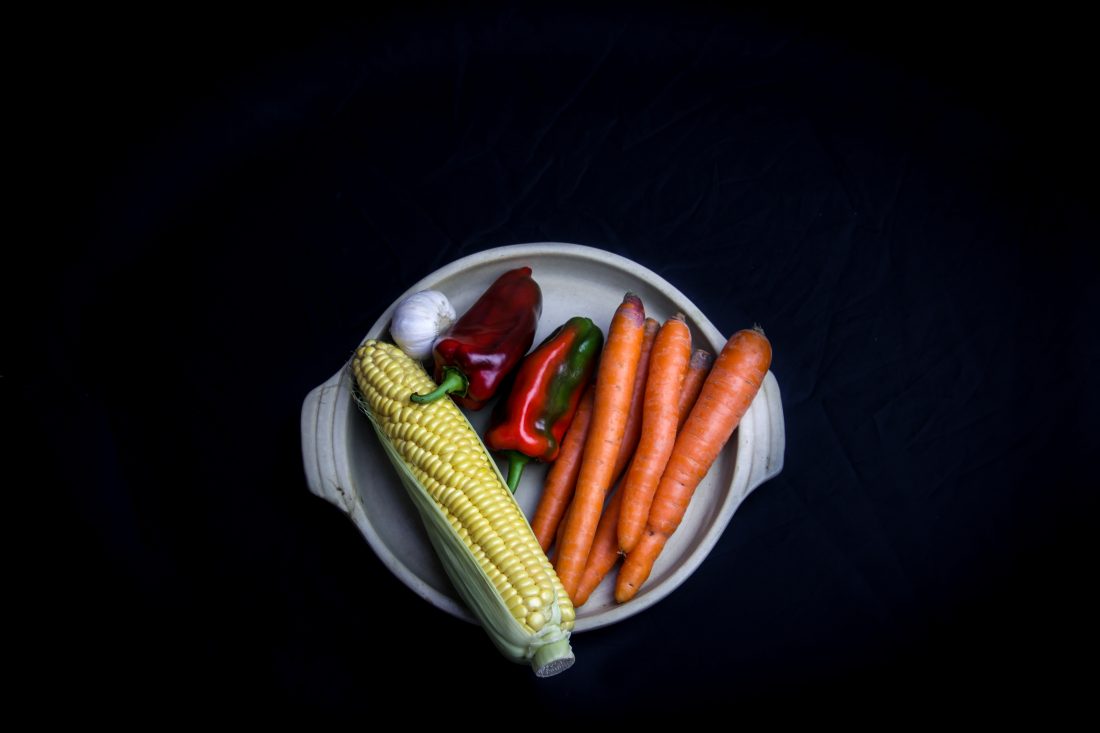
[(487, 342), (531, 421)]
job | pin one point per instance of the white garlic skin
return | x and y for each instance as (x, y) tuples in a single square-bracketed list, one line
[(419, 320)]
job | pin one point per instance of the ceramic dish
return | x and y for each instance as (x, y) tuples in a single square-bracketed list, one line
[(345, 464)]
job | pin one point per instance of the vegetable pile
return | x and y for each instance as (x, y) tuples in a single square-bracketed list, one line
[(630, 424)]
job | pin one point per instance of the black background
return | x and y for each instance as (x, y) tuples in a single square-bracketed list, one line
[(904, 200)]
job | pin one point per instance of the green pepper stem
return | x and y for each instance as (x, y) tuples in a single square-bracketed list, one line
[(453, 381), (516, 462)]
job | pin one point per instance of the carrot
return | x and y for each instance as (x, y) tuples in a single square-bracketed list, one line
[(614, 384), (638, 564), (605, 549), (558, 535), (561, 479), (698, 368), (667, 366), (727, 393), (633, 429)]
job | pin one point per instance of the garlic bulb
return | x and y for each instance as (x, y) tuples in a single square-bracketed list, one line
[(419, 319)]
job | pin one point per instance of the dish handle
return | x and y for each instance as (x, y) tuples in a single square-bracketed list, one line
[(318, 444), (770, 434)]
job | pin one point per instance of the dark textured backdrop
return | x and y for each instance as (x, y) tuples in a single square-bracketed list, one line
[(904, 201)]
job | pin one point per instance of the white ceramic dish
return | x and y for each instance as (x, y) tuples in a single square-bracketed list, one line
[(345, 465)]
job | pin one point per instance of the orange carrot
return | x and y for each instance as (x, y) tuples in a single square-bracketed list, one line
[(638, 565), (561, 479), (605, 549), (614, 384), (558, 535), (727, 393), (698, 369), (637, 398), (667, 366), (552, 553)]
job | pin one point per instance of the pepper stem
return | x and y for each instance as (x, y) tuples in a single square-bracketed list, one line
[(453, 381), (516, 462)]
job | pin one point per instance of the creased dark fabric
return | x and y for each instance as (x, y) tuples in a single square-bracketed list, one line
[(912, 222)]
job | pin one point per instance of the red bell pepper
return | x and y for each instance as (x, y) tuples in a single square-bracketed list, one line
[(531, 422), (487, 342)]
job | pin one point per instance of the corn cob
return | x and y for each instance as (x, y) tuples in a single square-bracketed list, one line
[(475, 525)]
